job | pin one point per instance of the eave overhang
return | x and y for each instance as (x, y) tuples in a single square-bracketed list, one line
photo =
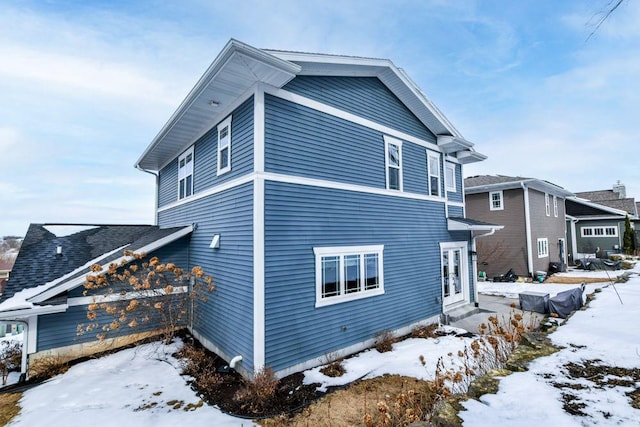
[(234, 71), (466, 224), (23, 313), (536, 184)]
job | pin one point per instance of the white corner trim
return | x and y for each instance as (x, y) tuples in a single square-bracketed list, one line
[(65, 286), (258, 128), (32, 340), (259, 359), (324, 108)]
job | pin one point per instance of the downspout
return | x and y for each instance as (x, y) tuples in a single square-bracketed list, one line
[(527, 221), (474, 264), (155, 203)]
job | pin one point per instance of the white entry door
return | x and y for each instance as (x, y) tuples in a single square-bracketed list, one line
[(455, 283)]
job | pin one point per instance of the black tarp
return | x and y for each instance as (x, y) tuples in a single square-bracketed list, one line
[(566, 302)]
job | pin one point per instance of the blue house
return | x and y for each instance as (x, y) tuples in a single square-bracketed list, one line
[(323, 193), (327, 201)]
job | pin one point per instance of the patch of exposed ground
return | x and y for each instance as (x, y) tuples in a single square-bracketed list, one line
[(9, 407), (568, 280)]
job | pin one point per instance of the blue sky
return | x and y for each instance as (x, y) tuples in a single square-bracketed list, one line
[(85, 86)]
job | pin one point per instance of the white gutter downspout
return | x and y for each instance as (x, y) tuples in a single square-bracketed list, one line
[(527, 221), (155, 206), (474, 264)]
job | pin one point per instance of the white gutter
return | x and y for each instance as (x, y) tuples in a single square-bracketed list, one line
[(527, 221)]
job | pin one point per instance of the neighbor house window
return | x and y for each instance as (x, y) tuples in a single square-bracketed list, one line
[(495, 201), (555, 206), (607, 231), (450, 176), (543, 248), (393, 162), (348, 273), (547, 207), (433, 166), (224, 146), (185, 174)]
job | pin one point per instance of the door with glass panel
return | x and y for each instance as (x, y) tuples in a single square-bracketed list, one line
[(455, 286)]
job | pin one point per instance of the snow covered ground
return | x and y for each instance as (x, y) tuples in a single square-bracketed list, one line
[(141, 386)]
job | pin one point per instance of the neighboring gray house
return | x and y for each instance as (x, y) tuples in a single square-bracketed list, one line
[(324, 195), (593, 229), (615, 198), (532, 212)]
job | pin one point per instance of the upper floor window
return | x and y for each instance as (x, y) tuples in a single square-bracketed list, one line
[(547, 207), (495, 201), (433, 166), (450, 176), (393, 163), (185, 174), (543, 247), (555, 206), (348, 273), (224, 146)]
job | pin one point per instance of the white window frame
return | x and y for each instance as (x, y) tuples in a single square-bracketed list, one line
[(555, 206), (341, 252), (224, 143), (501, 197), (547, 206), (450, 184), (435, 174), (387, 161), (543, 247), (599, 231), (184, 172)]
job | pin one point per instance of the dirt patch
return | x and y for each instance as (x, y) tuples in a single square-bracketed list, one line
[(349, 406), (568, 280), (9, 407)]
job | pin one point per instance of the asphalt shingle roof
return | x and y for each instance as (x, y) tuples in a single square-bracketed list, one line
[(476, 181), (38, 263)]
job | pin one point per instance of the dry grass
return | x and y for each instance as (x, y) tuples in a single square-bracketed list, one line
[(9, 407), (348, 407), (577, 280)]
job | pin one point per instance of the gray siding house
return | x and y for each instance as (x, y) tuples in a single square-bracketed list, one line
[(532, 212), (324, 195)]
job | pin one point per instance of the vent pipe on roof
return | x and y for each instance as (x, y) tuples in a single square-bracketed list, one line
[(59, 250)]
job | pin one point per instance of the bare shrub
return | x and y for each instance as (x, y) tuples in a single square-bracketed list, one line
[(199, 364), (428, 331), (143, 292), (333, 369), (10, 358), (256, 394), (47, 367), (403, 409), (384, 341)]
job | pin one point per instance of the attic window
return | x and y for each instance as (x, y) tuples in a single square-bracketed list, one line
[(185, 174), (224, 146), (393, 160)]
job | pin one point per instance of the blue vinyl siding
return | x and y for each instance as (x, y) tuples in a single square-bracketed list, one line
[(456, 211), (366, 97), (304, 142), (226, 319), (206, 157), (299, 218)]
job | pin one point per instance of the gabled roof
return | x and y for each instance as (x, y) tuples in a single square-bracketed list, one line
[(240, 66), (486, 183), (581, 208), (39, 266), (611, 199)]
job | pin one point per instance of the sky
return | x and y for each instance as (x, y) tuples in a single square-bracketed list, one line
[(86, 85)]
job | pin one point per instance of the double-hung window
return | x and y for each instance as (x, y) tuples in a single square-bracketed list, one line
[(224, 146), (450, 177), (347, 273), (543, 247), (555, 206), (185, 174), (393, 162), (433, 169), (547, 207), (495, 201)]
